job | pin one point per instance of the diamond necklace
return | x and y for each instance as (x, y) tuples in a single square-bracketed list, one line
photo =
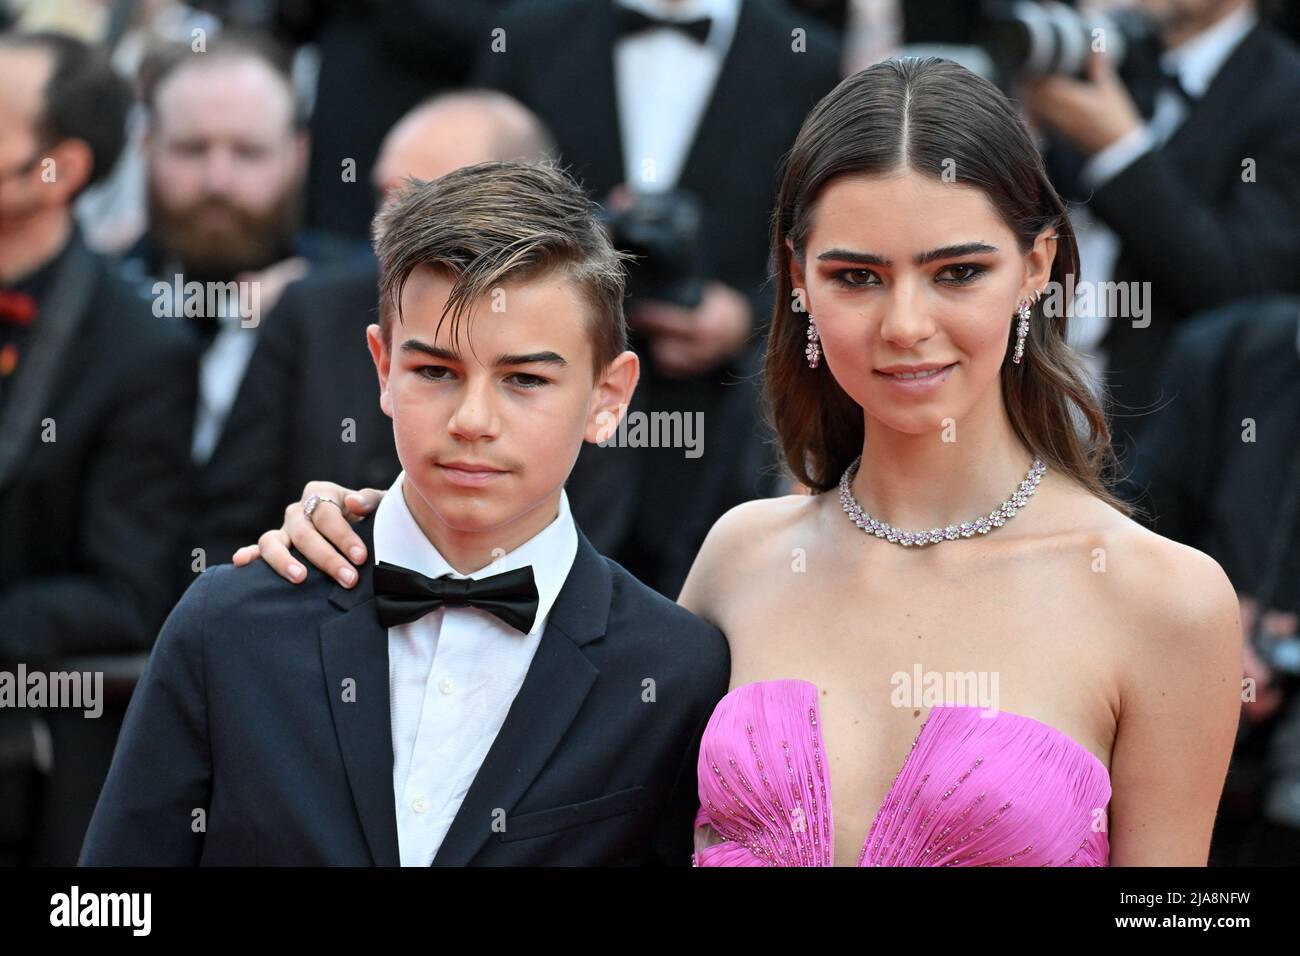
[(982, 525)]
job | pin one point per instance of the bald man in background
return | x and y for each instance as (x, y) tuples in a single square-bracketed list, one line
[(308, 407)]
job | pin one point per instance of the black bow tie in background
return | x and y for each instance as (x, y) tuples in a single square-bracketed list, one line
[(403, 595), (629, 21)]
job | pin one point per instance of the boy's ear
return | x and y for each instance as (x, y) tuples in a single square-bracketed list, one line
[(613, 393), (379, 352)]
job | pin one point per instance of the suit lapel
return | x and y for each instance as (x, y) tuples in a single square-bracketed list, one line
[(354, 648), (1198, 136), (558, 682), (722, 125), (1201, 134), (37, 374), (592, 137)]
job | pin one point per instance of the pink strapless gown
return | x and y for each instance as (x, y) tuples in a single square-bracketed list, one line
[(1003, 790)]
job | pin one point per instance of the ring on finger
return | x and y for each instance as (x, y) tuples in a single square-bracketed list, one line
[(309, 506)]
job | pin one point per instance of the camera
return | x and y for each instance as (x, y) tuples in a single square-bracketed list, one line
[(1009, 40), (662, 230), (1022, 37)]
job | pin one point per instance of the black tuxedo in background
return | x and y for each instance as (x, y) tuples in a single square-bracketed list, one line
[(241, 713), (92, 554), (1190, 226), (378, 59), (559, 61), (311, 371), (1204, 484)]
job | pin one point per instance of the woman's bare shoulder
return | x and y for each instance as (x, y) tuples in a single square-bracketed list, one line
[(725, 559), (1175, 595)]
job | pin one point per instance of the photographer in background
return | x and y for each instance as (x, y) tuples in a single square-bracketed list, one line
[(675, 114), (1190, 187)]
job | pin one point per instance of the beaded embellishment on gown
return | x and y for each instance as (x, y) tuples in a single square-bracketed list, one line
[(1001, 790)]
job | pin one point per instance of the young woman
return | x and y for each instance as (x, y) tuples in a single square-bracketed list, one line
[(960, 533)]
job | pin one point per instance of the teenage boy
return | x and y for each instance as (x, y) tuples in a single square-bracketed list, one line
[(492, 690)]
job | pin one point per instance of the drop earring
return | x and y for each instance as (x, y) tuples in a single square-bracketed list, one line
[(813, 350), (1022, 329)]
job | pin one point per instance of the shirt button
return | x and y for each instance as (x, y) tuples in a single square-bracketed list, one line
[(446, 685), (418, 805)]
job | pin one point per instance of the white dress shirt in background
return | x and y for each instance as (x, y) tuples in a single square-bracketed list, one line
[(1196, 62), (664, 81)]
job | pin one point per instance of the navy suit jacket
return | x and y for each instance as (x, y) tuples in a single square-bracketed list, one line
[(242, 744)]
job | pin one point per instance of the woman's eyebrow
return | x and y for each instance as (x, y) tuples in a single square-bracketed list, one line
[(944, 252)]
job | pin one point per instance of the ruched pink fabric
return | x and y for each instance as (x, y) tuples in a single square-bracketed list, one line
[(975, 790)]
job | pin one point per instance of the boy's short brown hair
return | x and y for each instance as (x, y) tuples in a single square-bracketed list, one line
[(495, 222)]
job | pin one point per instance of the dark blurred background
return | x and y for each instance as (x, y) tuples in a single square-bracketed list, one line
[(254, 140)]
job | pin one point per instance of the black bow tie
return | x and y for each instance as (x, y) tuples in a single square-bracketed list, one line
[(403, 595), (629, 21)]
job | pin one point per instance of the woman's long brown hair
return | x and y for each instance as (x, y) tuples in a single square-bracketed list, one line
[(929, 115)]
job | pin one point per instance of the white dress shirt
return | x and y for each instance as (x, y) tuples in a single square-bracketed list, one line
[(454, 673), (222, 365), (221, 373), (1196, 62), (664, 81)]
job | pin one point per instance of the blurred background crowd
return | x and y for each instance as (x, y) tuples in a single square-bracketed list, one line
[(148, 144)]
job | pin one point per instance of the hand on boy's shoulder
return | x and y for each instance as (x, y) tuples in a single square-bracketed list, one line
[(260, 576)]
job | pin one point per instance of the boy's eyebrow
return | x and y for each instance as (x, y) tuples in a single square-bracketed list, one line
[(527, 358), (944, 252)]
